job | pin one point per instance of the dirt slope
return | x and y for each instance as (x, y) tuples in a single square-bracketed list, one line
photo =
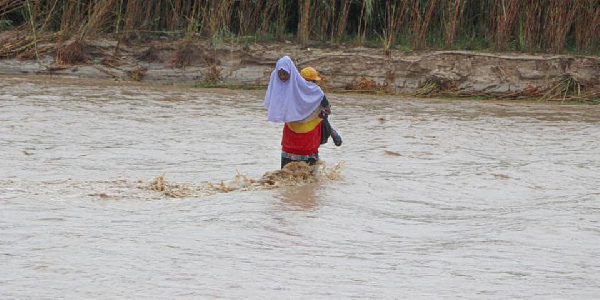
[(344, 67)]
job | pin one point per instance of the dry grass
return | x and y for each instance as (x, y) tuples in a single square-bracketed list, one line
[(182, 57), (566, 89), (364, 84), (529, 92), (137, 74), (435, 85), (213, 74), (429, 88), (72, 53), (14, 45), (150, 55)]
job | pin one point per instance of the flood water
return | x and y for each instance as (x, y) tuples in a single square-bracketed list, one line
[(438, 199)]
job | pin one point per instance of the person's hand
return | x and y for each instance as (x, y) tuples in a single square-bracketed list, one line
[(325, 112), (337, 139)]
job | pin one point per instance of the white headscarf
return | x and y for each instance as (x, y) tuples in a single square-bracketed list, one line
[(292, 100)]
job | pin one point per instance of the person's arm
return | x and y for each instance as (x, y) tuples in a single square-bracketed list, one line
[(326, 111), (326, 129)]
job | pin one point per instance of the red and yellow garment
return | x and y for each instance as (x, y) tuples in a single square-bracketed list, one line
[(302, 138)]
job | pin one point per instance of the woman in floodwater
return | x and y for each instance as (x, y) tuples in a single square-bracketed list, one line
[(298, 103)]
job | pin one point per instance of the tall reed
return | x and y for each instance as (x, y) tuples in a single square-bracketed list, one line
[(421, 18), (322, 19), (395, 15), (8, 6), (531, 22), (366, 13), (453, 14), (283, 8), (303, 23), (587, 25), (97, 14), (32, 20), (559, 19), (507, 11), (342, 20), (537, 25)]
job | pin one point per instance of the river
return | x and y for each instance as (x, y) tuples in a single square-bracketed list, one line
[(438, 199)]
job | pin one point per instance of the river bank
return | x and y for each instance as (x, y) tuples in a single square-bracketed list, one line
[(423, 73)]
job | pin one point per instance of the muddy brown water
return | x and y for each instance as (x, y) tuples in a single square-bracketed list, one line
[(437, 199)]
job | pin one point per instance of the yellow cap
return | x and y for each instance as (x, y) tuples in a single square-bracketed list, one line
[(309, 73)]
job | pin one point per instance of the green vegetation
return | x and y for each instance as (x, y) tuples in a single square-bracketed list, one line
[(5, 24), (533, 26)]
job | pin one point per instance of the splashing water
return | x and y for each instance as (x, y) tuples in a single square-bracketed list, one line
[(293, 174)]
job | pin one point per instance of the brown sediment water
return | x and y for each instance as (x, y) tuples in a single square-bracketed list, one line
[(293, 174), (112, 190)]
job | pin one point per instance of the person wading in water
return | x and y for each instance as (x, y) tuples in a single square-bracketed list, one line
[(302, 106)]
